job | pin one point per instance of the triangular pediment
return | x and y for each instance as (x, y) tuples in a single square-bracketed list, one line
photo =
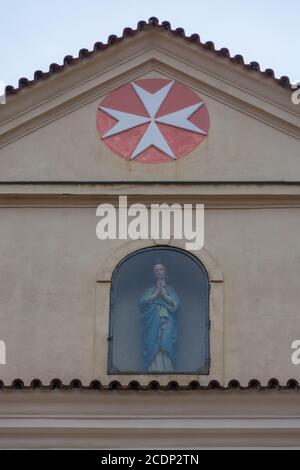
[(48, 130)]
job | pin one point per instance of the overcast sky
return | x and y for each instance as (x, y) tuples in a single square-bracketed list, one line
[(35, 33)]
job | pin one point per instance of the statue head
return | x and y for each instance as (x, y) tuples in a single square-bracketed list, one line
[(159, 270)]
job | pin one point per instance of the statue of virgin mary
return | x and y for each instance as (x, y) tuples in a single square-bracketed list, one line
[(159, 307)]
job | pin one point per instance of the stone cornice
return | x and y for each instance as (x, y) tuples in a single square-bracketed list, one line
[(57, 417), (215, 194)]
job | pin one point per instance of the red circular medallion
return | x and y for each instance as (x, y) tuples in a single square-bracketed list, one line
[(153, 121)]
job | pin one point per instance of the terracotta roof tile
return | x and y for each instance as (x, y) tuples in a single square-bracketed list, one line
[(129, 32), (57, 384)]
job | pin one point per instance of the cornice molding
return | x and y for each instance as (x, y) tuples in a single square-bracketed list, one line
[(222, 194)]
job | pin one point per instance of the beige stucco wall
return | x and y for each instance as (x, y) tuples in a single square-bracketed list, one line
[(54, 314), (53, 306), (55, 274)]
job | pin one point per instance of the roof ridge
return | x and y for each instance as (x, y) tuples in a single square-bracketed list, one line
[(39, 75)]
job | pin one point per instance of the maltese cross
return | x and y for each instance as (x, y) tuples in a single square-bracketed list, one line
[(153, 135)]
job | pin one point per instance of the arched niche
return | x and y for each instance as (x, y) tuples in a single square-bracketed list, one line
[(104, 278), (107, 268), (159, 314)]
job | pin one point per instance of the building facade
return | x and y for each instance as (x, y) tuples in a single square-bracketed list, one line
[(227, 139)]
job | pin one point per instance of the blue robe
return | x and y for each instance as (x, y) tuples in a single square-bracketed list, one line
[(151, 326)]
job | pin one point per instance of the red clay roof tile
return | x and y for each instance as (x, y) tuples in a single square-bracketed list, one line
[(129, 32), (57, 384)]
